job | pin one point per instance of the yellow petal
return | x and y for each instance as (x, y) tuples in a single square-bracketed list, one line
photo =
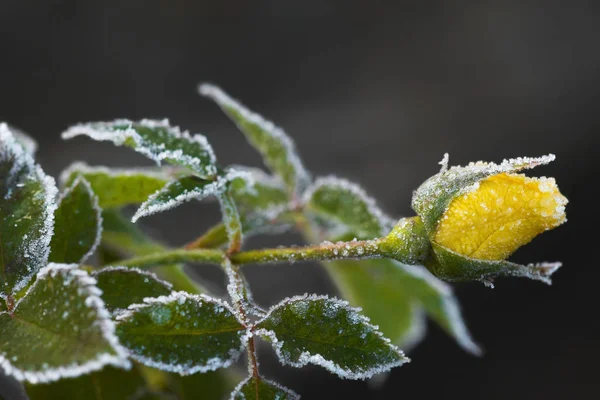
[(502, 214)]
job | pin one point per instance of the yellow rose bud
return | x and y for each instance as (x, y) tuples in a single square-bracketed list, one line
[(503, 213)]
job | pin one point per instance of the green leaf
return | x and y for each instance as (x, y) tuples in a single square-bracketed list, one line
[(214, 385), (122, 287), (277, 148), (60, 329), (182, 333), (78, 225), (125, 239), (185, 189), (328, 332), (231, 220), (119, 187), (432, 198), (262, 389), (156, 140), (346, 203), (260, 192), (108, 384), (26, 215)]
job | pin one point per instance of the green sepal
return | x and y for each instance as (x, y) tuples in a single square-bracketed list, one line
[(328, 332), (108, 384), (26, 215), (156, 140), (262, 389), (451, 266), (59, 329), (181, 333), (433, 197), (122, 287), (276, 147), (77, 224), (120, 187)]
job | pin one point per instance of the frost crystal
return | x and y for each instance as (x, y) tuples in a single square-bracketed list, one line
[(175, 194), (300, 176), (34, 232), (266, 386), (157, 140), (79, 282)]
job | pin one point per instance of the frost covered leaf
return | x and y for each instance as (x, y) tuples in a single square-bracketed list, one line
[(185, 189), (328, 332), (432, 198), (60, 329), (263, 192), (119, 187), (262, 389), (26, 214), (231, 220), (77, 226), (108, 384), (346, 203), (124, 239), (156, 140), (29, 144), (277, 148), (182, 333), (122, 287)]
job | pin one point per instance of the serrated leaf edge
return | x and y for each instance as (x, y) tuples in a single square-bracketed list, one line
[(22, 157), (106, 325), (292, 395), (84, 168), (212, 364), (306, 357)]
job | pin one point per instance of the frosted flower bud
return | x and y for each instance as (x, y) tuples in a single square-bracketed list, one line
[(477, 216)]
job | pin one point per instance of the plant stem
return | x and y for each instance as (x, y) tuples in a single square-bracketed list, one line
[(174, 257), (356, 249)]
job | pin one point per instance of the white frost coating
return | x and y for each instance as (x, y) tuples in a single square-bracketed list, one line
[(180, 298), (449, 304), (103, 131), (83, 168), (224, 100), (153, 206), (260, 176), (237, 395), (26, 141), (143, 272), (386, 223), (306, 357), (95, 205), (444, 162), (35, 250), (240, 294), (93, 301)]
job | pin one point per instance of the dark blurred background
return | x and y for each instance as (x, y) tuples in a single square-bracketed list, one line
[(370, 90)]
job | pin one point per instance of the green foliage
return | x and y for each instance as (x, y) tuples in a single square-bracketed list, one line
[(59, 329), (181, 333), (261, 389), (119, 187), (26, 215), (73, 332), (327, 332), (78, 224)]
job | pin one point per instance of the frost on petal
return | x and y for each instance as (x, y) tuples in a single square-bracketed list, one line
[(349, 205), (60, 329), (122, 287), (276, 147), (185, 189), (116, 187), (78, 224), (431, 199), (182, 333), (27, 204), (252, 388), (156, 140), (344, 342)]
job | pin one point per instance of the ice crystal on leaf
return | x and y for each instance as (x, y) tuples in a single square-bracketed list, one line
[(328, 332), (252, 388), (59, 329), (27, 204), (182, 333), (157, 140)]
